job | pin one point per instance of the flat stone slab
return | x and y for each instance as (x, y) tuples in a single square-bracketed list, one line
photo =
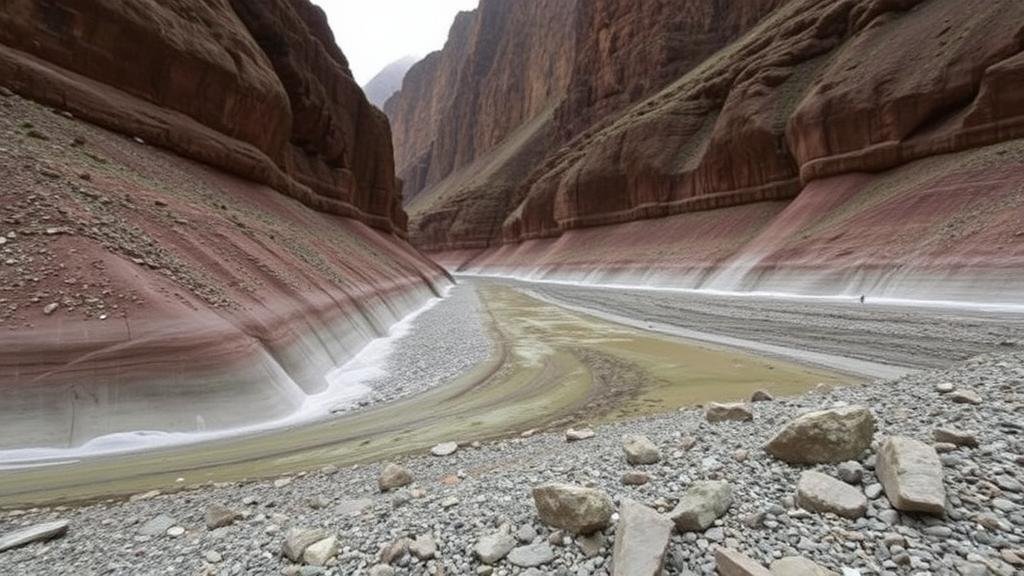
[(157, 526), (36, 533), (821, 493), (911, 473), (532, 555), (641, 540)]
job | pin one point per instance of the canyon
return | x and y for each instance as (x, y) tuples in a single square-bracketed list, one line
[(806, 146)]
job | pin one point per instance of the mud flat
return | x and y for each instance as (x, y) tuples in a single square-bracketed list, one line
[(547, 367)]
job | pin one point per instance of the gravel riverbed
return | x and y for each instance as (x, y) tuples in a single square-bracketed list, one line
[(459, 499)]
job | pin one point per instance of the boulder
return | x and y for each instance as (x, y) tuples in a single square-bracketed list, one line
[(490, 549), (296, 540), (817, 492), (735, 412), (219, 516), (393, 476), (531, 556), (574, 508), (35, 533), (572, 435), (956, 437), (444, 449), (824, 436), (702, 504), (911, 474), (641, 541), (640, 450), (319, 553), (732, 563), (798, 566)]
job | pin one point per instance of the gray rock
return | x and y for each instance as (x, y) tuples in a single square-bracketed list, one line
[(640, 450), (444, 449), (635, 478), (641, 540), (964, 396), (492, 548), (393, 476), (817, 492), (798, 566), (735, 412), (702, 504), (319, 553), (296, 540), (732, 563), (526, 534), (574, 508), (531, 556), (157, 526), (36, 533), (825, 436), (423, 547), (911, 473), (382, 570), (956, 437), (850, 472), (761, 396), (219, 516), (572, 435)]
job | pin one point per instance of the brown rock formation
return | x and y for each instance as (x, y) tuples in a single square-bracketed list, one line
[(258, 88)]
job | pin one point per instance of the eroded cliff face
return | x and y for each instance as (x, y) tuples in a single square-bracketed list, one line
[(257, 88), (679, 107), (203, 225)]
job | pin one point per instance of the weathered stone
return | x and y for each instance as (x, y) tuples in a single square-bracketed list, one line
[(296, 540), (761, 396), (531, 556), (445, 449), (798, 566), (641, 540), (850, 472), (382, 570), (219, 516), (732, 563), (817, 492), (911, 474), (36, 533), (157, 526), (635, 478), (702, 504), (319, 553), (955, 437), (640, 450), (572, 435), (964, 396), (824, 436), (395, 551), (423, 547), (573, 508), (494, 547), (735, 412), (393, 476)]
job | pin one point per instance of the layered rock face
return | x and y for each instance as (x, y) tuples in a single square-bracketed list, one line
[(259, 89), (221, 236), (786, 104)]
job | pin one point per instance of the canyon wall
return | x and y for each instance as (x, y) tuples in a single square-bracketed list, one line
[(680, 107), (200, 222)]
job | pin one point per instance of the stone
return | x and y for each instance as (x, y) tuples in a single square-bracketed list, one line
[(382, 570), (640, 450), (213, 557), (531, 556), (444, 449), (176, 531), (635, 478), (393, 476), (761, 396), (572, 435), (911, 474), (817, 492), (732, 563), (490, 549), (964, 396), (36, 533), (394, 552), (733, 412), (423, 547), (592, 544), (50, 308), (702, 504), (318, 553), (641, 540), (157, 526), (798, 566), (955, 437), (825, 436), (573, 508), (944, 387), (526, 534), (219, 516), (850, 472), (296, 540)]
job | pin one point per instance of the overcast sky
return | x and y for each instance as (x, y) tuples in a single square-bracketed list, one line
[(375, 33)]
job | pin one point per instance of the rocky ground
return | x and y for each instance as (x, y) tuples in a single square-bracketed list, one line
[(476, 503)]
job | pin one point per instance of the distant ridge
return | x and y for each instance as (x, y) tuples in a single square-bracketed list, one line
[(388, 81)]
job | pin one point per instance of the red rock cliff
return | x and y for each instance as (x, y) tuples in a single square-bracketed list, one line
[(255, 87)]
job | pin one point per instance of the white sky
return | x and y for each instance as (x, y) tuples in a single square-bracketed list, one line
[(375, 33)]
